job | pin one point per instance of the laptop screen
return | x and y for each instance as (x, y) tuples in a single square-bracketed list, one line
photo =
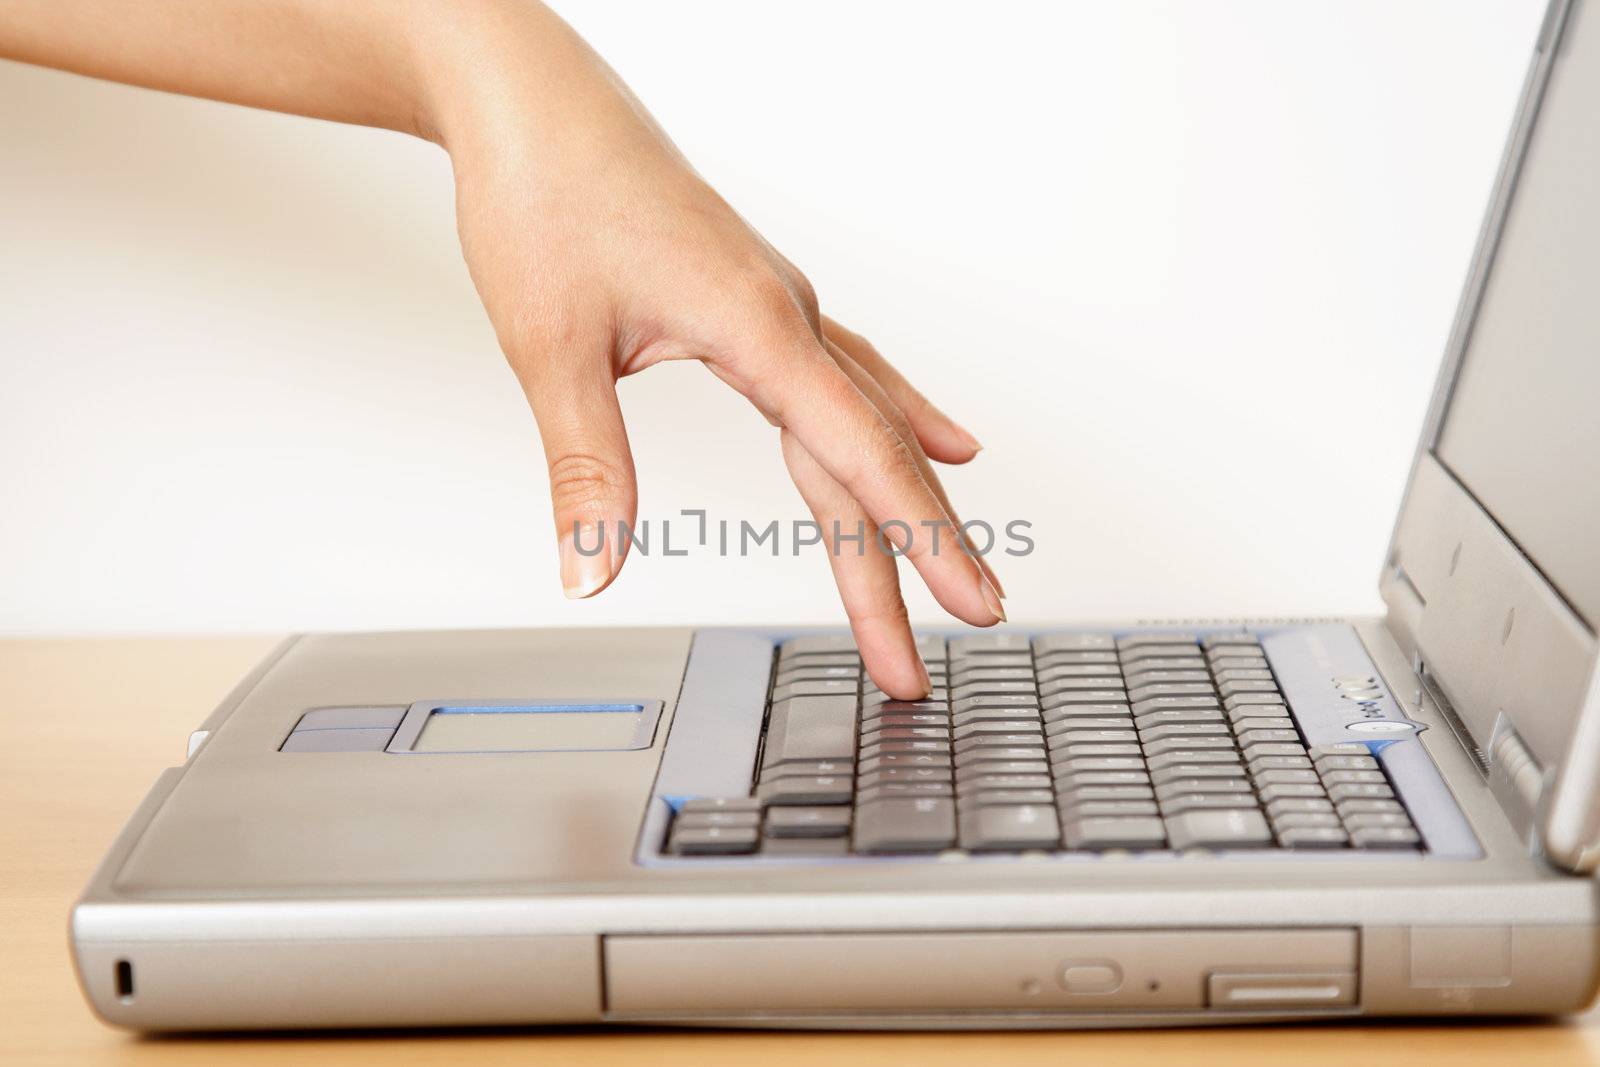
[(1522, 430)]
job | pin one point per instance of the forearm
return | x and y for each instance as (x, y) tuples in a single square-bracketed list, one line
[(427, 67)]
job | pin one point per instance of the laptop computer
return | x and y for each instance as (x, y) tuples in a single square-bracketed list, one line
[(1117, 824)]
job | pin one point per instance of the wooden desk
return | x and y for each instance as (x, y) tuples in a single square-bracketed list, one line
[(87, 724)]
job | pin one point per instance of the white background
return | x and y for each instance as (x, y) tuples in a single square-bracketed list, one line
[(1186, 268)]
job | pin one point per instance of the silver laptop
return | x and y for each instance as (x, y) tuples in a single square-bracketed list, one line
[(1119, 824)]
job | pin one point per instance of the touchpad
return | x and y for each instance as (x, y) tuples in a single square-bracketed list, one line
[(535, 726)]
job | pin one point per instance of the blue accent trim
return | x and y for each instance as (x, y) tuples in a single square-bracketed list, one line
[(534, 709), (676, 803)]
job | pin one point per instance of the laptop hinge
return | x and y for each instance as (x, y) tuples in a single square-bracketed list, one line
[(1515, 778)]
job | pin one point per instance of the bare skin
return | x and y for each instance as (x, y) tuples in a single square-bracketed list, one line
[(597, 252)]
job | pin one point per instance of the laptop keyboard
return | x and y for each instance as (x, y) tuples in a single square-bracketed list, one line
[(1061, 742)]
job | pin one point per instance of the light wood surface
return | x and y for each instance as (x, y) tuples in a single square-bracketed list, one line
[(87, 725)]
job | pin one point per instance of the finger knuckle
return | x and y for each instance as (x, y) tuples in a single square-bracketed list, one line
[(579, 478)]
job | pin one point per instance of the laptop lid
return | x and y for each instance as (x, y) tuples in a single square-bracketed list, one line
[(1493, 575)]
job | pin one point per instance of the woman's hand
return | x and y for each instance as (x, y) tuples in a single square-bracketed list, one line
[(597, 251)]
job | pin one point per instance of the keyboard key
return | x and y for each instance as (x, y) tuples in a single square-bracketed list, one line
[(992, 767), (1151, 653), (1021, 701), (1083, 696), (824, 643), (1056, 659), (1359, 806), (1108, 671), (1132, 832), (1020, 739), (884, 722), (1188, 757), (1232, 687), (704, 804), (1258, 764), (1143, 677), (1360, 791), (905, 759), (966, 718), (1068, 780), (1269, 793), (813, 767), (873, 733), (1243, 674), (1230, 639), (1005, 728), (884, 748), (713, 840), (1002, 753), (1239, 700), (983, 783), (1080, 808), (1374, 819), (1045, 644), (812, 727), (1178, 803), (701, 819), (1237, 828), (1302, 777), (1178, 716), (1180, 786), (1170, 689), (1011, 827), (1142, 708), (1064, 727), (1197, 770), (992, 674), (904, 707), (1082, 736), (816, 673), (1250, 737), (936, 696), (1206, 743), (1261, 749), (1312, 837), (944, 788), (1094, 748), (1008, 796), (1103, 683), (1343, 748), (818, 688), (1104, 792), (1257, 722), (905, 824), (1293, 821), (1333, 778), (1165, 731), (968, 644), (805, 846), (1385, 837), (1063, 712), (808, 822), (1298, 806), (1157, 637), (1328, 764), (807, 789), (905, 774)]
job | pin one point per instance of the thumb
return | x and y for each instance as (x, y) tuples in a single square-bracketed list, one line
[(592, 487)]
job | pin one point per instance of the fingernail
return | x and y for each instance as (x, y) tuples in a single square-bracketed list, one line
[(966, 436), (585, 561), (922, 671), (992, 598)]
